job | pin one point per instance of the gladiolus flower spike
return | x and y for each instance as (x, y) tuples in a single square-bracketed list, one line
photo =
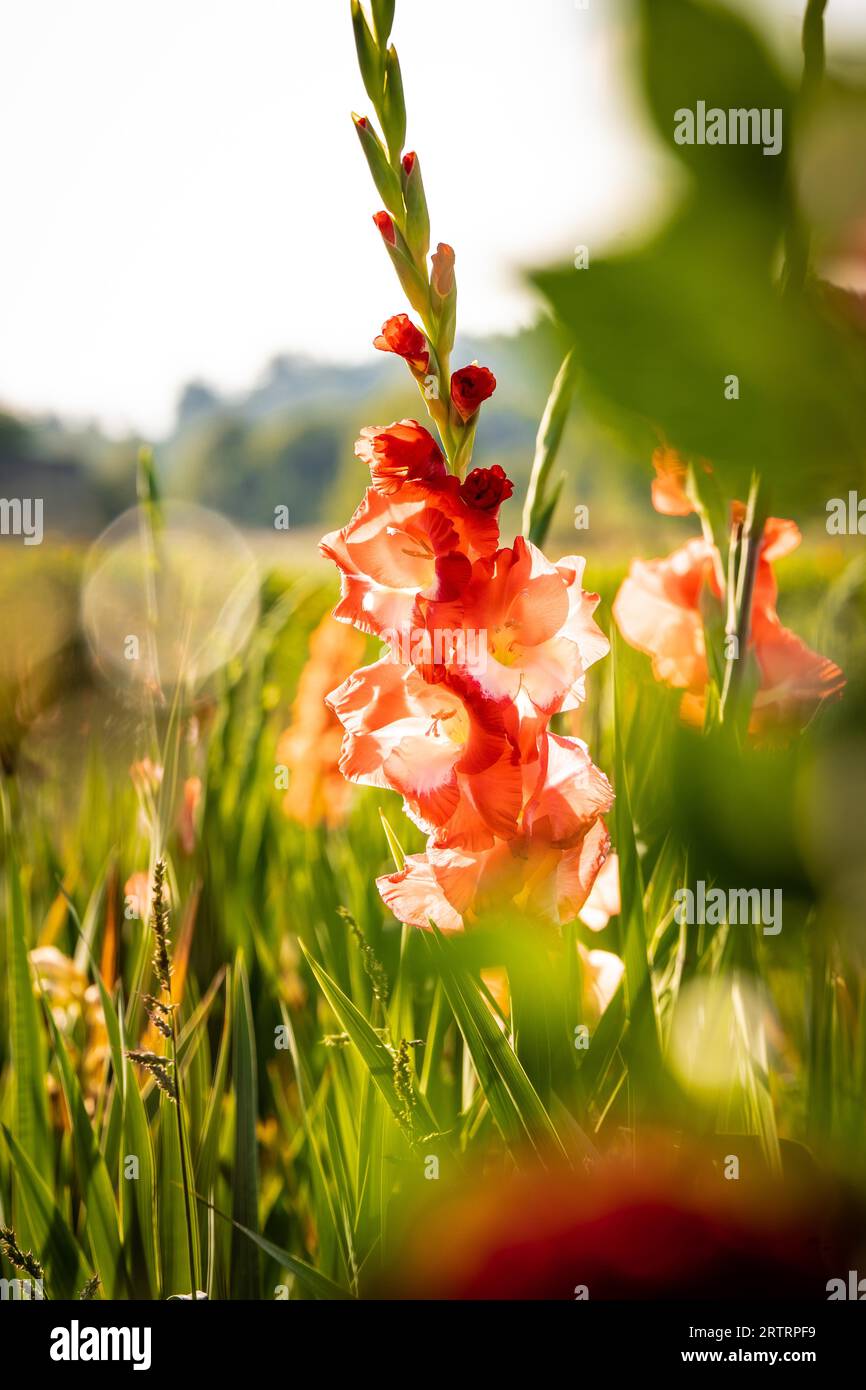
[(428, 281)]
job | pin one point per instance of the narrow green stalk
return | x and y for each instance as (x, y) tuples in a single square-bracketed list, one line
[(539, 506), (162, 969), (194, 1272), (463, 453), (797, 240), (397, 179), (750, 547)]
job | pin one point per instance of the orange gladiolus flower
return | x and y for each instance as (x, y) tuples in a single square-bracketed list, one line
[(310, 746), (668, 488), (484, 645), (539, 633), (447, 755), (420, 539), (544, 866), (453, 887), (658, 611), (604, 900), (186, 820)]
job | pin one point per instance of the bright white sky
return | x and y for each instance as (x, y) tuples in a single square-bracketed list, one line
[(185, 196)]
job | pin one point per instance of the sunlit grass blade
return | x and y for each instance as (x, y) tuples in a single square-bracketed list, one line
[(644, 1045), (177, 1277), (97, 1192), (315, 1284), (25, 1035), (245, 1179), (514, 1101), (759, 1099), (138, 1194), (206, 1158), (66, 1265), (540, 504), (376, 1056)]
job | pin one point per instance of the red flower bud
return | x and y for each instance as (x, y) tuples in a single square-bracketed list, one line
[(386, 227), (469, 387), (400, 335), (486, 488), (409, 161)]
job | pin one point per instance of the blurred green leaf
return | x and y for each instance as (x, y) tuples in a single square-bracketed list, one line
[(660, 333), (97, 1192), (65, 1264), (245, 1184), (25, 1042), (695, 52), (515, 1104)]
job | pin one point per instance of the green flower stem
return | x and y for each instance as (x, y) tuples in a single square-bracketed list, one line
[(380, 71), (463, 455), (747, 569)]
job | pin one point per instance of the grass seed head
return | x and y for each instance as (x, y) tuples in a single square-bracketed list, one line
[(161, 959), (158, 1067), (21, 1259)]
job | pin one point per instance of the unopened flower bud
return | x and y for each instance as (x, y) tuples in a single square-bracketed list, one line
[(386, 227), (369, 59), (443, 294), (386, 181), (393, 111), (469, 387), (414, 285), (442, 275), (417, 216)]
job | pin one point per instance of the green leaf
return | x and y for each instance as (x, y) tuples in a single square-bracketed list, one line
[(376, 1056), (25, 1036), (66, 1266), (658, 335), (695, 52), (644, 1043), (315, 1283), (245, 1180), (398, 854), (139, 1194), (177, 1278), (102, 1225), (206, 1159), (539, 506), (661, 333), (510, 1094)]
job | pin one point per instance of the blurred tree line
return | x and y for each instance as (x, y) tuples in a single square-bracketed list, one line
[(288, 441)]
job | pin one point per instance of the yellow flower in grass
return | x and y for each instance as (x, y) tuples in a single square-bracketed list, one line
[(76, 1008)]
